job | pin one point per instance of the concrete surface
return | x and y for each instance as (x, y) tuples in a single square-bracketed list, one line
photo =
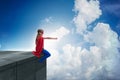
[(19, 65)]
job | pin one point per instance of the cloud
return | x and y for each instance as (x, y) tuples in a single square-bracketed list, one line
[(87, 12), (60, 33), (48, 20), (99, 62), (63, 63), (105, 38), (105, 52)]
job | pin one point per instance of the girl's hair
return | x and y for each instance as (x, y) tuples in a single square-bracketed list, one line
[(40, 30)]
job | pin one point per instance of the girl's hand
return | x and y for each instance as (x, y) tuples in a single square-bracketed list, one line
[(55, 38), (49, 38)]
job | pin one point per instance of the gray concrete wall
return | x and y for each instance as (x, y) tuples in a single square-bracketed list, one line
[(21, 66)]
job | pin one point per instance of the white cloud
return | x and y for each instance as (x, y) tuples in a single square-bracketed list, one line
[(64, 63), (87, 12), (97, 63), (49, 19), (61, 32), (102, 36), (101, 62)]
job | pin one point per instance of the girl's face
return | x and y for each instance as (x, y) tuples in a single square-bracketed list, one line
[(40, 33)]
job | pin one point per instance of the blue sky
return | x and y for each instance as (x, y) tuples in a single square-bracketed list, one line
[(87, 31), (111, 10), (23, 17)]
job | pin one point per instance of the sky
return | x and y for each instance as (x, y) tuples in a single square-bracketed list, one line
[(88, 33)]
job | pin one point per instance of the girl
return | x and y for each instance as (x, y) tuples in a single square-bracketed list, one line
[(40, 46)]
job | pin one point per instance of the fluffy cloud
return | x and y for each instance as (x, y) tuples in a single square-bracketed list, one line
[(87, 12), (63, 63), (99, 62), (105, 52), (102, 36), (55, 59), (61, 32)]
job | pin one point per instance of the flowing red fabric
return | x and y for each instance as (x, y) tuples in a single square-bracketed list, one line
[(39, 46)]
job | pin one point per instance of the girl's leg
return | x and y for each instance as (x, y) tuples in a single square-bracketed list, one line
[(46, 55)]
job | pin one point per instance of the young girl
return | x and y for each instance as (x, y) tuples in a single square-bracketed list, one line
[(40, 46)]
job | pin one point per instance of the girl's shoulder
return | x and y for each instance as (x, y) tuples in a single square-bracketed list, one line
[(39, 37)]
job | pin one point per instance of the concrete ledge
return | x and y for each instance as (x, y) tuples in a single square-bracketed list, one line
[(18, 65)]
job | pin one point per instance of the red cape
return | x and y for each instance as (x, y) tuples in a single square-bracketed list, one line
[(39, 46)]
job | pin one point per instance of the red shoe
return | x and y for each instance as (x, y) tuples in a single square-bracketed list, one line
[(35, 54)]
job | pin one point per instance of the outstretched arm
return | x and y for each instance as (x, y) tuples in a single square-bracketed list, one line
[(49, 38)]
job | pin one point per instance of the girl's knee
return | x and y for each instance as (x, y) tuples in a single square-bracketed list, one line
[(49, 55)]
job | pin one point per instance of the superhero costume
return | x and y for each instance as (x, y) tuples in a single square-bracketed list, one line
[(40, 49)]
